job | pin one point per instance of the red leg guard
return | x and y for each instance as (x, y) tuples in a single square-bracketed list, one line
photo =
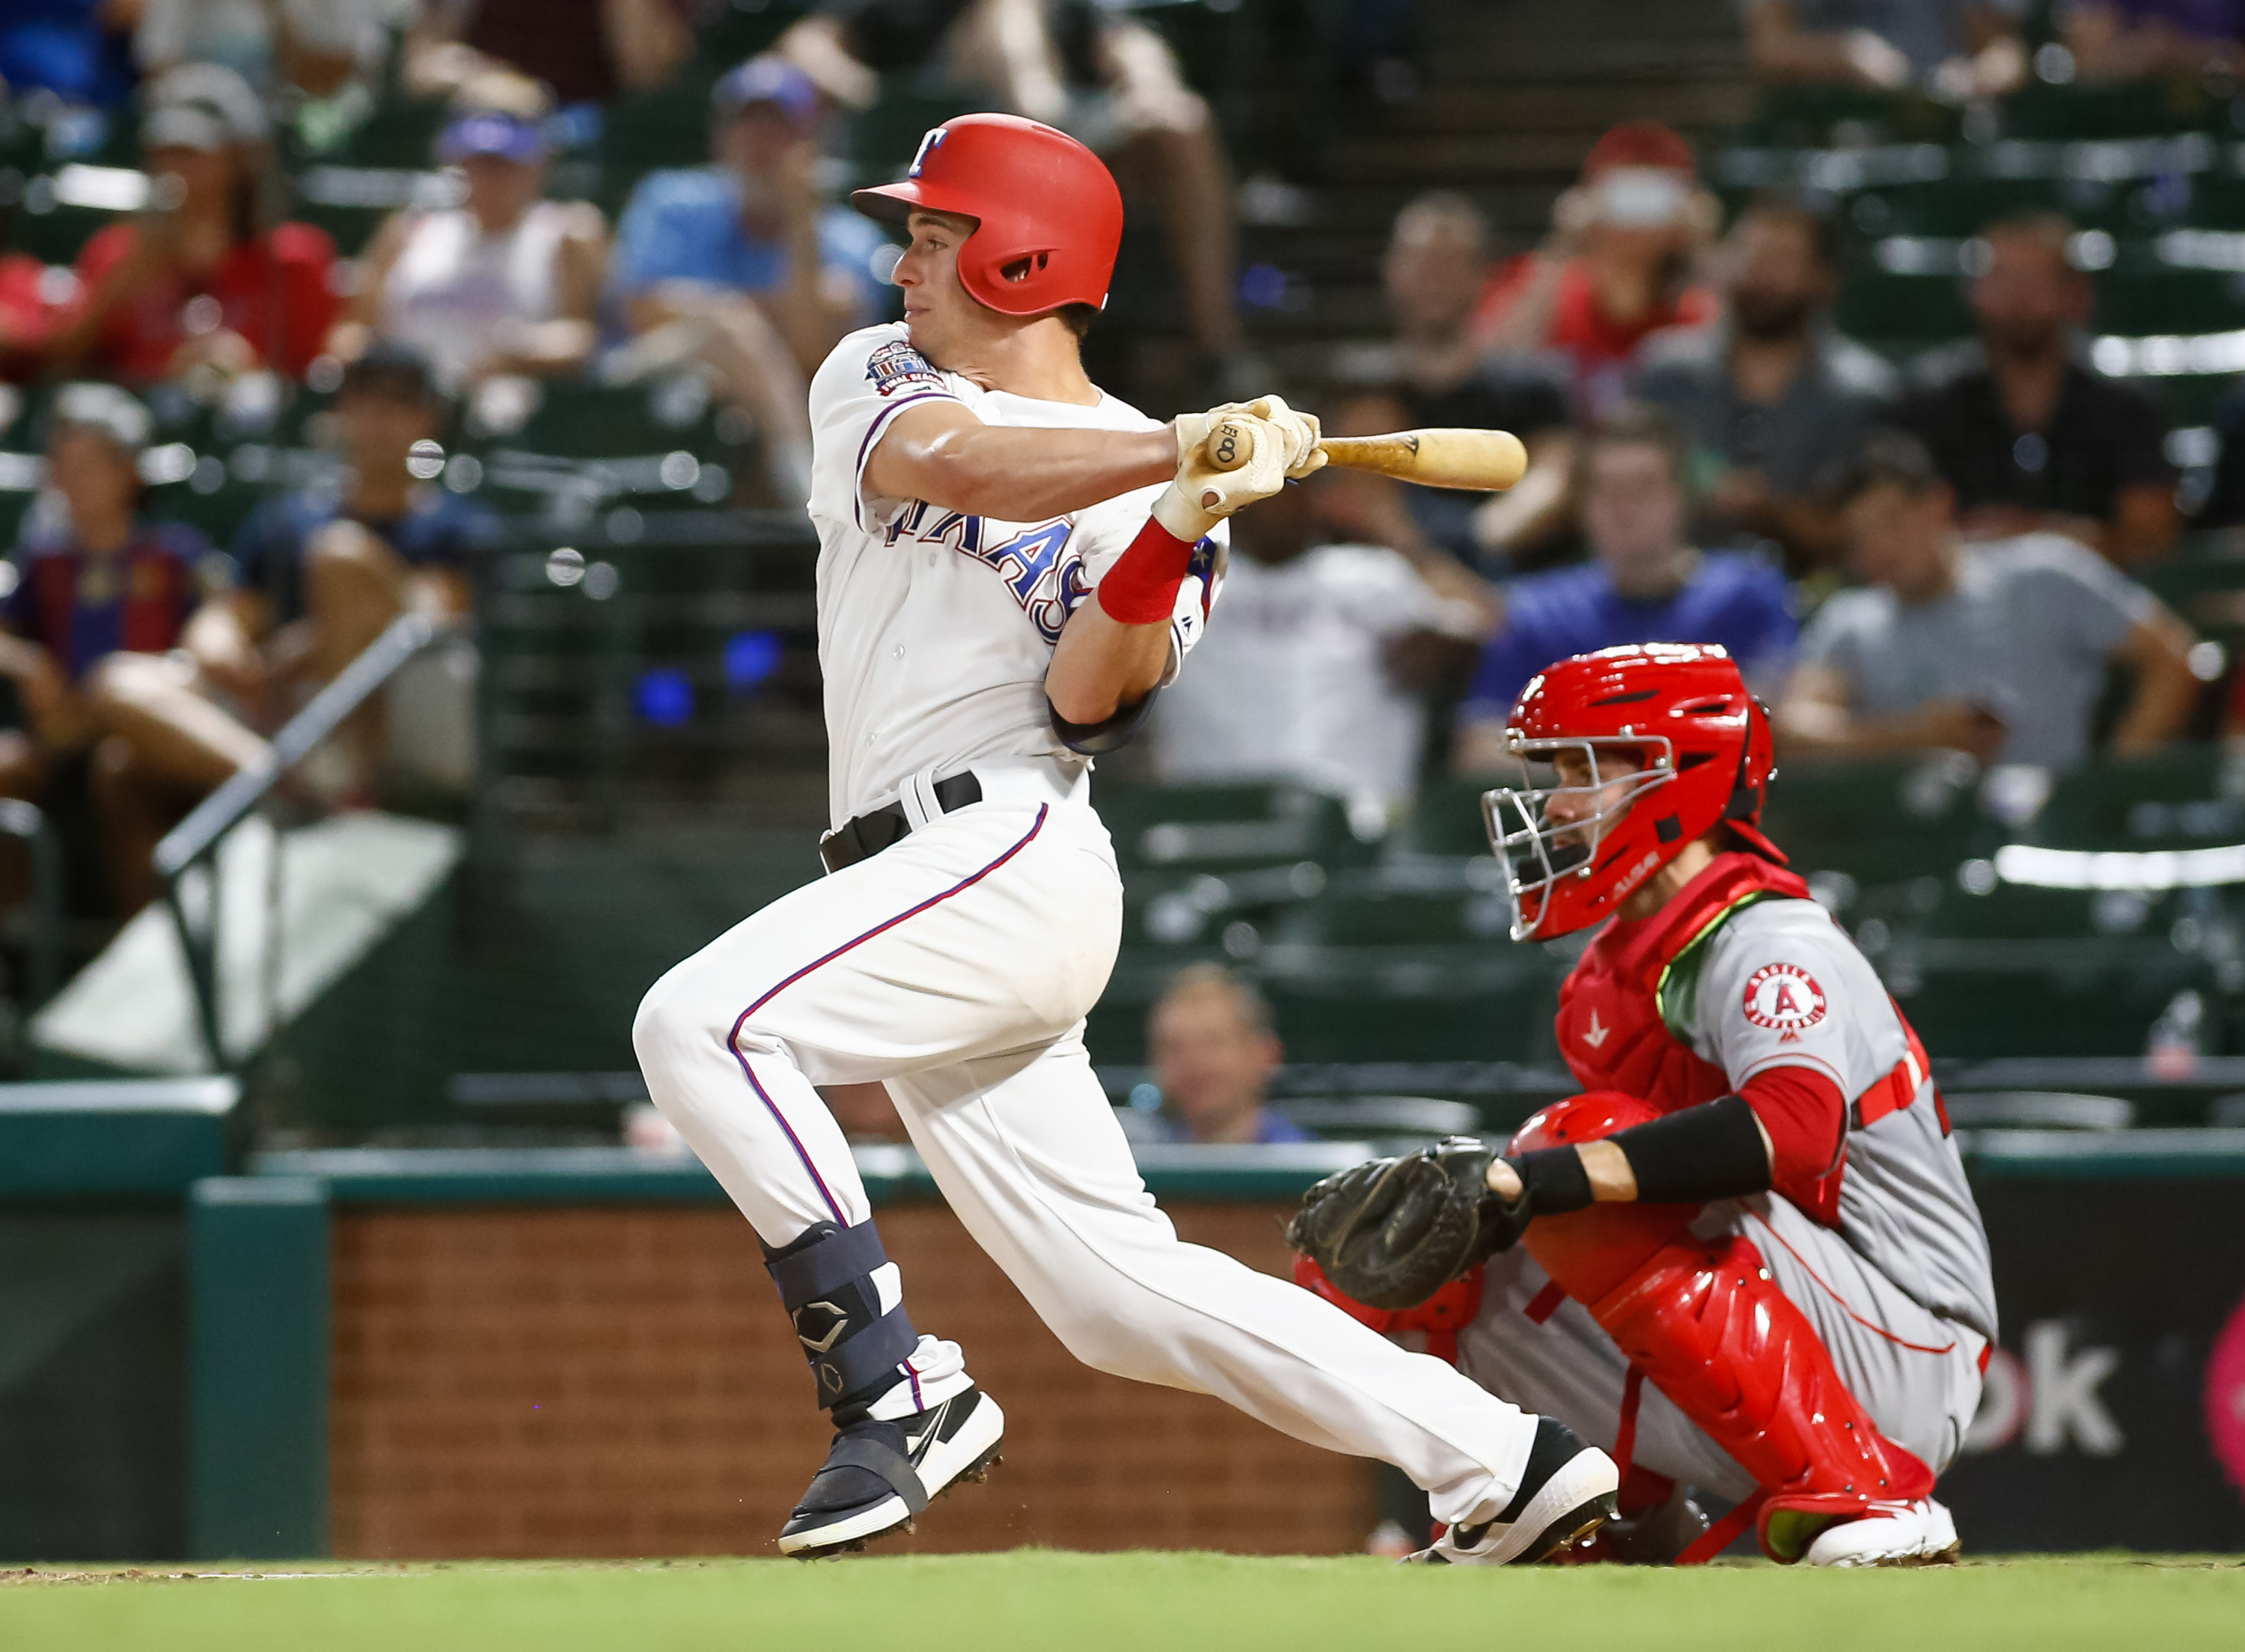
[(1706, 1322)]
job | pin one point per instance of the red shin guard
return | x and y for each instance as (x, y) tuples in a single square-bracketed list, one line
[(1705, 1321)]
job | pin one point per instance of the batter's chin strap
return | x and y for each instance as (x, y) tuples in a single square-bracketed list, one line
[(827, 1281)]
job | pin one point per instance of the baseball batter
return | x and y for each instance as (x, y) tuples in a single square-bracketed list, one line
[(1748, 1259), (1011, 563)]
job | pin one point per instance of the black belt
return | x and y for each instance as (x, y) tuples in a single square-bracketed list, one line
[(873, 831)]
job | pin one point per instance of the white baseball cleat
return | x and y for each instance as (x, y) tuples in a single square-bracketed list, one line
[(1566, 1495), (1918, 1534)]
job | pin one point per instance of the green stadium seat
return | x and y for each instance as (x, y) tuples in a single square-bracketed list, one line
[(1803, 117), (2072, 997), (2134, 303), (2171, 800), (2147, 109), (1901, 311), (1196, 910), (1415, 1002), (1879, 823), (1217, 828), (1441, 903), (2011, 912), (1445, 819)]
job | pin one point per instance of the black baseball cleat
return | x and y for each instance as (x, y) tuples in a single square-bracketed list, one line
[(879, 1476), (1566, 1495)]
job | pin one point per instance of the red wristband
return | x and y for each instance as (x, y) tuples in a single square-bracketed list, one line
[(1140, 589)]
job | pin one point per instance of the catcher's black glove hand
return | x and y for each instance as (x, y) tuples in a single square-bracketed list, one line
[(1392, 1232)]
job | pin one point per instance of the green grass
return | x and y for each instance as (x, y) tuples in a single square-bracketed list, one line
[(1055, 1603)]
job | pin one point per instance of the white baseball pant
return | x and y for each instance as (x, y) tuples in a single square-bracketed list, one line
[(1917, 1373), (957, 967)]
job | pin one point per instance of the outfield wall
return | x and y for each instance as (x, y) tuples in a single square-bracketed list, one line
[(577, 1352)]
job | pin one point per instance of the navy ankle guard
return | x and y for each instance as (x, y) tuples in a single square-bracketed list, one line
[(825, 1281)]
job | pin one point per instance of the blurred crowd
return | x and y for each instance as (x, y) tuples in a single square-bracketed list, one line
[(1927, 554), (1933, 554), (148, 662)]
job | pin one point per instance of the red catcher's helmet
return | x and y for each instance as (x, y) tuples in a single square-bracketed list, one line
[(1047, 216), (1674, 746)]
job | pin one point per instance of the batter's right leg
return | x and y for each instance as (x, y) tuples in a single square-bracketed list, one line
[(732, 1042), (902, 961)]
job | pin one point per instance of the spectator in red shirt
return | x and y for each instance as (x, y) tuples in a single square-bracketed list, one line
[(29, 306), (98, 599), (202, 280), (1616, 269)]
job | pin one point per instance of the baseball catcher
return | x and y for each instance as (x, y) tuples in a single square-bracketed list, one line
[(1745, 1258)]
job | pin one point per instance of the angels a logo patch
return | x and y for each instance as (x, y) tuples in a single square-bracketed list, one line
[(896, 365), (1784, 999)]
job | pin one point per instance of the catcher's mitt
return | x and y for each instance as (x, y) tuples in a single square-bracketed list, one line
[(1392, 1232)]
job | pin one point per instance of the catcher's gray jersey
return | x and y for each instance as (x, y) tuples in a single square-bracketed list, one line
[(1780, 983)]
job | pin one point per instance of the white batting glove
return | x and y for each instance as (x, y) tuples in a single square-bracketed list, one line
[(1301, 431), (1203, 493)]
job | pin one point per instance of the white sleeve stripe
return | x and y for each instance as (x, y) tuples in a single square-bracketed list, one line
[(873, 433)]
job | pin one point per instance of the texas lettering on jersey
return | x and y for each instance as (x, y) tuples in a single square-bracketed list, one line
[(1044, 576)]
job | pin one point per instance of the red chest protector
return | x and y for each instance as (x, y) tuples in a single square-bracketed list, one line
[(1610, 1033)]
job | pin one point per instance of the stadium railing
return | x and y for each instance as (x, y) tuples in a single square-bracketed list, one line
[(192, 846)]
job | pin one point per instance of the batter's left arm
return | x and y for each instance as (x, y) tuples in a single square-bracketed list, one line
[(1099, 665), (941, 452)]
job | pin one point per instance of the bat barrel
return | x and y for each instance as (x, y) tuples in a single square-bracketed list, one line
[(1483, 461)]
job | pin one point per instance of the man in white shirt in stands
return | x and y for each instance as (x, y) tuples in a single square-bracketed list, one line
[(1321, 670)]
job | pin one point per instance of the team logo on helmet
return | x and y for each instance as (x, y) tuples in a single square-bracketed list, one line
[(1784, 999), (897, 366), (928, 144)]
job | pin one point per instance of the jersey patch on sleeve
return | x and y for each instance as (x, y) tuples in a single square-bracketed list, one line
[(897, 366), (1784, 999)]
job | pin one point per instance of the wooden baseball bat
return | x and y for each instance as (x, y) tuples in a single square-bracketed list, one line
[(1481, 461)]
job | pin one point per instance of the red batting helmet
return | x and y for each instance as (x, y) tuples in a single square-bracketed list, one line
[(1048, 217), (1697, 753)]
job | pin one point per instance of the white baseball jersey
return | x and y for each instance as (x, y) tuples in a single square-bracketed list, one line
[(935, 628)]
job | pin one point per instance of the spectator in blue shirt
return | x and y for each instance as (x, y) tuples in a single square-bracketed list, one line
[(325, 570), (1646, 583), (742, 264), (1213, 1051)]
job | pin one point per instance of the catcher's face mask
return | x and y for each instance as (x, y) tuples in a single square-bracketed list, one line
[(1656, 743), (1568, 849)]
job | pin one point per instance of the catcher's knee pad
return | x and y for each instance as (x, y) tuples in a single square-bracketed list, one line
[(831, 1280), (1588, 1252), (1588, 1117), (1707, 1322)]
